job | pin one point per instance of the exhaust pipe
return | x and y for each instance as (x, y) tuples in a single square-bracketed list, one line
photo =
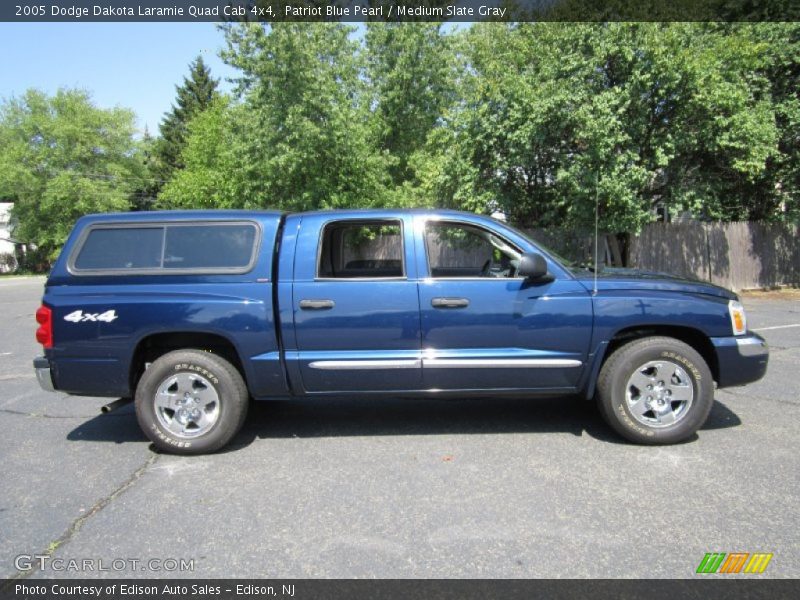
[(107, 408)]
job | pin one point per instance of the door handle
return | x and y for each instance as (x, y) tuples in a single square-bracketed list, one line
[(449, 302), (317, 304)]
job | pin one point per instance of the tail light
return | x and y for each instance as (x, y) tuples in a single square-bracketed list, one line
[(44, 335)]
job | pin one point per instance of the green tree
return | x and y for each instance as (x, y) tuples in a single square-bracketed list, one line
[(217, 171), (410, 70), (144, 195), (539, 120), (61, 157), (194, 95), (777, 191), (555, 117), (307, 144)]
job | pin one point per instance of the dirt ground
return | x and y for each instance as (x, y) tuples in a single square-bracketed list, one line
[(776, 294)]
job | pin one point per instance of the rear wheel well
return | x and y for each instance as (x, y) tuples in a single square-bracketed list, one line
[(693, 337), (156, 345)]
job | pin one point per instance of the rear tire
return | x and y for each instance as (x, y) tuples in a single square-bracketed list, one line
[(655, 390), (191, 402)]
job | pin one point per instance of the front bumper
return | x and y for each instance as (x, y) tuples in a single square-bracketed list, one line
[(741, 359), (43, 375)]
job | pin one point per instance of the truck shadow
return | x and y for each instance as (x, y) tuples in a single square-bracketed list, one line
[(382, 417), (414, 416), (391, 417), (119, 427)]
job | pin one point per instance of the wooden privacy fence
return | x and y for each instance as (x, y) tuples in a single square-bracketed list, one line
[(737, 256), (734, 255)]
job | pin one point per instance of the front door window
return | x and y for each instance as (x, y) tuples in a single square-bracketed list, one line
[(461, 251)]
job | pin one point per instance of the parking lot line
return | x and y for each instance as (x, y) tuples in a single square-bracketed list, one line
[(777, 327)]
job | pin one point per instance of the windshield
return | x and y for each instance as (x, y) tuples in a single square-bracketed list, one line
[(570, 264)]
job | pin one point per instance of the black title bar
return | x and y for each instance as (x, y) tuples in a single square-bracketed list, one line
[(269, 11), (705, 588)]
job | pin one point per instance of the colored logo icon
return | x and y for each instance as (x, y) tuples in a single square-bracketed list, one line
[(734, 562)]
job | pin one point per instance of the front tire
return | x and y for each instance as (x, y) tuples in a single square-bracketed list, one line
[(191, 402), (656, 390)]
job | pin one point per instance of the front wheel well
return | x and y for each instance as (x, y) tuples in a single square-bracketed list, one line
[(693, 337), (153, 346)]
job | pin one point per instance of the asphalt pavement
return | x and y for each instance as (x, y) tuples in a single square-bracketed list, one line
[(396, 488)]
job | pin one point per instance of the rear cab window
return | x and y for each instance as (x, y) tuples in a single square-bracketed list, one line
[(166, 248)]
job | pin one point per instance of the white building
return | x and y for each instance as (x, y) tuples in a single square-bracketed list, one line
[(6, 245)]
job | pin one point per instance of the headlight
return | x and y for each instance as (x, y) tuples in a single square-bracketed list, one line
[(738, 318)]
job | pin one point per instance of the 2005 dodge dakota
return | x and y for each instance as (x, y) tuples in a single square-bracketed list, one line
[(194, 313)]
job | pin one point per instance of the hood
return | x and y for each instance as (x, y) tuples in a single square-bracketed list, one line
[(610, 279)]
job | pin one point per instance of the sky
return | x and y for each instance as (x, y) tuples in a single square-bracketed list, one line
[(132, 65)]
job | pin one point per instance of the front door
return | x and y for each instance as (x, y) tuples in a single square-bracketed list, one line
[(483, 328), (356, 310)]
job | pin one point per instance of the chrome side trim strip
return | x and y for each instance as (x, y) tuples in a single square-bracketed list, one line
[(499, 363), (364, 364), (446, 363)]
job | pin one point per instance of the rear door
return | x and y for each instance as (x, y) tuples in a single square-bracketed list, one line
[(355, 304)]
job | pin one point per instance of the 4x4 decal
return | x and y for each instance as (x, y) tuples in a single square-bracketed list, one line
[(79, 316)]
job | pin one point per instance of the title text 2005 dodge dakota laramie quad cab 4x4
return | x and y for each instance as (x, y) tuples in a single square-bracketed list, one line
[(193, 313)]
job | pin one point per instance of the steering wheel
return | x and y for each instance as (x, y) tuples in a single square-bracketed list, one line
[(485, 268)]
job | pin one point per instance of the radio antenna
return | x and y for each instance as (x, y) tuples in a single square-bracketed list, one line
[(596, 229)]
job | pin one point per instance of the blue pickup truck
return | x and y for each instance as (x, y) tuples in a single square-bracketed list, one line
[(194, 313)]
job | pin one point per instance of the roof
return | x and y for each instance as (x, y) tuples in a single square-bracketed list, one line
[(168, 215), (387, 211)]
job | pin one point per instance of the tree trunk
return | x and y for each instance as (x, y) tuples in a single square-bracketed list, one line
[(616, 254)]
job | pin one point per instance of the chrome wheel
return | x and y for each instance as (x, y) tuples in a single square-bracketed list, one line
[(187, 405), (659, 393)]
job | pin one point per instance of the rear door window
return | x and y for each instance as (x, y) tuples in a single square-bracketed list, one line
[(361, 249)]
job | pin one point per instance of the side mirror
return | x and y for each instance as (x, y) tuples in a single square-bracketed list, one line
[(532, 265)]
